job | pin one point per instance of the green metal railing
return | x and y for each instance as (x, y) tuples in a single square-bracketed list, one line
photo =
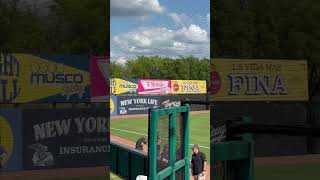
[(128, 162), (238, 155), (173, 167)]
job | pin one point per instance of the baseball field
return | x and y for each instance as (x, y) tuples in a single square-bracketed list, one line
[(133, 127), (129, 128)]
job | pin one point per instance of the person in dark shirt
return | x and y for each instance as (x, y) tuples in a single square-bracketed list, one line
[(198, 163), (140, 142)]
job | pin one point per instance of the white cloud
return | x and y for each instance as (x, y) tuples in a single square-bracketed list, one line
[(118, 57), (193, 34), (180, 19), (163, 42), (135, 8)]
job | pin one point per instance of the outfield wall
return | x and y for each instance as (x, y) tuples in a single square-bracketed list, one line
[(287, 113), (157, 86), (28, 78), (314, 119), (38, 138), (140, 104)]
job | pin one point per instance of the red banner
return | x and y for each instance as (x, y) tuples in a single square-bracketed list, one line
[(99, 76)]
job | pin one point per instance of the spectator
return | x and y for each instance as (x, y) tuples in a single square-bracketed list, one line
[(198, 163)]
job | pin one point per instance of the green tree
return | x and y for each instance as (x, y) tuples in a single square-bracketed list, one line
[(156, 67)]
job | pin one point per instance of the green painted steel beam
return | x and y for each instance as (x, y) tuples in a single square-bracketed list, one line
[(153, 145), (173, 166), (165, 173), (129, 149), (186, 118), (180, 164), (172, 142), (232, 150)]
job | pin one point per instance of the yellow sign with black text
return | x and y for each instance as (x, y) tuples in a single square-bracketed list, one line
[(259, 80), (188, 87), (27, 78), (124, 86)]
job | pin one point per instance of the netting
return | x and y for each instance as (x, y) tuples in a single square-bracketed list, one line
[(218, 169), (179, 137), (180, 134), (163, 145)]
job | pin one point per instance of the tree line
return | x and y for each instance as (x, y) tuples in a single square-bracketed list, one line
[(57, 27), (269, 29), (155, 67)]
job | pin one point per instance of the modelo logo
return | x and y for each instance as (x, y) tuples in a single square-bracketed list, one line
[(9, 78), (45, 73)]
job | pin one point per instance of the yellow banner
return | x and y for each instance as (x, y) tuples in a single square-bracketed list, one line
[(259, 80), (27, 78), (188, 87), (121, 86)]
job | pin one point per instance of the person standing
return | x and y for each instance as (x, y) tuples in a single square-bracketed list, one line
[(198, 163), (140, 143)]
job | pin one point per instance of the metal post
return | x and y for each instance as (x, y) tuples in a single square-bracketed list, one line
[(152, 145), (186, 142), (172, 142)]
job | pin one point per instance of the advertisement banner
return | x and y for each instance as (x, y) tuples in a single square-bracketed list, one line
[(188, 87), (137, 104), (124, 86), (168, 101), (285, 113), (99, 76), (28, 78), (10, 140), (148, 86), (66, 138), (259, 80), (113, 105)]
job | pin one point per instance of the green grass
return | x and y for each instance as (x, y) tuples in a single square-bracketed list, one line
[(288, 172), (199, 130)]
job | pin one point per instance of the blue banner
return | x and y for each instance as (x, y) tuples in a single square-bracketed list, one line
[(10, 139), (66, 138), (113, 106)]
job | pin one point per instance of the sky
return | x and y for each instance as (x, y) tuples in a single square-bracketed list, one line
[(168, 28)]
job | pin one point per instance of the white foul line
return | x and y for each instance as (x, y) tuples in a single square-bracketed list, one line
[(132, 132)]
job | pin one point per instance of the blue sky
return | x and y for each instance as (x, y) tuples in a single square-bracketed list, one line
[(159, 27)]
